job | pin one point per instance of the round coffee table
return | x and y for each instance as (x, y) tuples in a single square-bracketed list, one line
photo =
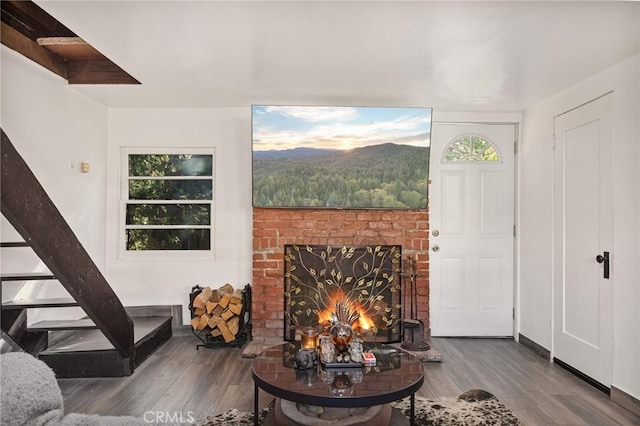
[(396, 375)]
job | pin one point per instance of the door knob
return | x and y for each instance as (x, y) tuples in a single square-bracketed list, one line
[(435, 247), (604, 258), (435, 232)]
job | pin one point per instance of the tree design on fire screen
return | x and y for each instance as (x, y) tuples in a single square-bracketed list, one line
[(361, 284)]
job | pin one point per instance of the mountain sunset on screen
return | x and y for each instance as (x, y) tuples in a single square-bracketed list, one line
[(288, 127), (340, 157)]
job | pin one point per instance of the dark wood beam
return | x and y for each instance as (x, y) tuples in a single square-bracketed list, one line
[(70, 48), (31, 20), (85, 64), (32, 32), (17, 41), (97, 72)]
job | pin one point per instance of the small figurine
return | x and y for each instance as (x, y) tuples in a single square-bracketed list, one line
[(355, 350), (305, 358), (327, 351)]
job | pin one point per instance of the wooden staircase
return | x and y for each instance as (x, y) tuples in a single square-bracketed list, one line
[(108, 342)]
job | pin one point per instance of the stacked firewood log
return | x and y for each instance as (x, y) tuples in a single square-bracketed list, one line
[(218, 312)]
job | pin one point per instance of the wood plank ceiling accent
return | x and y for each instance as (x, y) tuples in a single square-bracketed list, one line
[(32, 32)]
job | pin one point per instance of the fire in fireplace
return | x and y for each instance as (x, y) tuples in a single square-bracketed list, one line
[(359, 285)]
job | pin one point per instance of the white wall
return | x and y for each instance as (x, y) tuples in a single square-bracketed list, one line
[(50, 124), (168, 282), (536, 213)]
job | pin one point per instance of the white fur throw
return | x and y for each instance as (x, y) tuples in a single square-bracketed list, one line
[(30, 396), (30, 392)]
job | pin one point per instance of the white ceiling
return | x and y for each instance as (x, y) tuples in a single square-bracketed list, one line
[(458, 56)]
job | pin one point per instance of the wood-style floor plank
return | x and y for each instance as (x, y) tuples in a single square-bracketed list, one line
[(177, 378)]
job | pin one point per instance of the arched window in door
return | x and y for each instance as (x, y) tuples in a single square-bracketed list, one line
[(470, 148)]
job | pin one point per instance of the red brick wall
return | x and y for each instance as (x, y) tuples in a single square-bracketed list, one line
[(273, 228)]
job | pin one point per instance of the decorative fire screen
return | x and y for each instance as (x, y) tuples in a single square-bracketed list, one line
[(359, 283)]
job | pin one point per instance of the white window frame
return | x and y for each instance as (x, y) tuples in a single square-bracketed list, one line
[(125, 254)]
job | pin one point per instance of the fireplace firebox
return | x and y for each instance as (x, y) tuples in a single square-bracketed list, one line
[(357, 284)]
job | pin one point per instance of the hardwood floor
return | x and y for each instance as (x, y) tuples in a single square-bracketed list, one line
[(196, 383)]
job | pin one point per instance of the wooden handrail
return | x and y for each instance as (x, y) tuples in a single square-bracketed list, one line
[(29, 209)]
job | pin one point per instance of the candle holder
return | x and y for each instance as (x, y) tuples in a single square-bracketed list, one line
[(309, 338)]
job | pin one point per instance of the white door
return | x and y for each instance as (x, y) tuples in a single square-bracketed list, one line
[(582, 231), (471, 216)]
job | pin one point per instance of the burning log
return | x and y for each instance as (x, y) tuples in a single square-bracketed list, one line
[(218, 312)]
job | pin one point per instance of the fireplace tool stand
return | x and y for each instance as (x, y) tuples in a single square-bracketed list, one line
[(412, 328)]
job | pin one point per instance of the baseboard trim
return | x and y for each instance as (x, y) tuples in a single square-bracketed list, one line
[(183, 330), (541, 351), (596, 384), (625, 400)]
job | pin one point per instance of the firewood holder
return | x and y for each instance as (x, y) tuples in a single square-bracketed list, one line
[(244, 333)]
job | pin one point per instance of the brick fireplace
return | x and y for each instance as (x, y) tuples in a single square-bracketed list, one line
[(273, 228)]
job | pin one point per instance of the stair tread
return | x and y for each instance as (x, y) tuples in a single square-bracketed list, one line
[(15, 244), (27, 276), (94, 340), (78, 324), (40, 303)]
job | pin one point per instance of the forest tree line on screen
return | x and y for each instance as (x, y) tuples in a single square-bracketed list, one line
[(379, 176)]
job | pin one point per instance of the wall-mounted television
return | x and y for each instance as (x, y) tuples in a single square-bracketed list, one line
[(340, 157)]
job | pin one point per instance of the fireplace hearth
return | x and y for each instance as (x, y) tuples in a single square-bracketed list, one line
[(359, 285)]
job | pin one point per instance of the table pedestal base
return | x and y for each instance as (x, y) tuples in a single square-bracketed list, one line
[(291, 414), (397, 419)]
